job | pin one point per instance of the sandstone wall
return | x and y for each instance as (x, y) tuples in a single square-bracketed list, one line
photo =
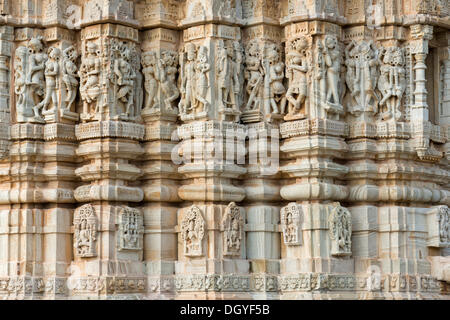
[(169, 149)]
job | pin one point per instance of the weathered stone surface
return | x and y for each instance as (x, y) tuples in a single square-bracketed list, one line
[(162, 149)]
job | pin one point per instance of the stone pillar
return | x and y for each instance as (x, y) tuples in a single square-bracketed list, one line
[(211, 241), (108, 224), (263, 110), (160, 185), (316, 227)]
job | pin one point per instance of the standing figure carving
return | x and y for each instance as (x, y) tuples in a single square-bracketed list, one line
[(224, 67), (167, 73), (124, 81), (30, 64), (202, 84), (70, 74), (392, 82), (90, 89), (192, 232), (361, 62), (232, 227), (340, 224), (328, 74), (85, 236), (238, 73), (274, 96), (51, 73), (254, 76), (297, 68), (150, 84), (194, 80), (291, 220)]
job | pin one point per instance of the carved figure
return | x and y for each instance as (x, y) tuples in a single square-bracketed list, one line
[(125, 78), (85, 236), (254, 76), (192, 232), (340, 225), (361, 78), (29, 75), (291, 219), (201, 68), (392, 82), (444, 224), (274, 75), (225, 75), (296, 71), (90, 71), (150, 84), (130, 229), (70, 74), (332, 57), (232, 227), (167, 74), (187, 88), (51, 80)]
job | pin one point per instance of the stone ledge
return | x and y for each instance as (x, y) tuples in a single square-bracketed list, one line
[(109, 129)]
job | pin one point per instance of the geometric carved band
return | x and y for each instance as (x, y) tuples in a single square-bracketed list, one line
[(110, 129)]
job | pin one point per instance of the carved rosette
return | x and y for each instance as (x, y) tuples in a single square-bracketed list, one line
[(131, 229), (232, 227), (192, 232), (85, 236), (340, 228), (291, 224)]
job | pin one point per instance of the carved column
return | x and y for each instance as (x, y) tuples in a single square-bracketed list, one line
[(108, 225), (160, 185), (263, 111), (312, 149), (211, 240)]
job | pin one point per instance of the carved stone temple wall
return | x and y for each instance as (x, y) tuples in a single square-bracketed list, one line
[(224, 149)]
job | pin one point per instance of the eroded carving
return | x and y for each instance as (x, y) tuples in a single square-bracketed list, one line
[(392, 82), (131, 229), (192, 232), (340, 224), (85, 236), (232, 226), (291, 224), (29, 80)]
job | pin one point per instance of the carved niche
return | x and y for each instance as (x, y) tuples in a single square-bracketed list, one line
[(192, 232), (85, 236), (194, 87), (232, 227), (291, 224), (340, 228), (29, 68), (131, 229)]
